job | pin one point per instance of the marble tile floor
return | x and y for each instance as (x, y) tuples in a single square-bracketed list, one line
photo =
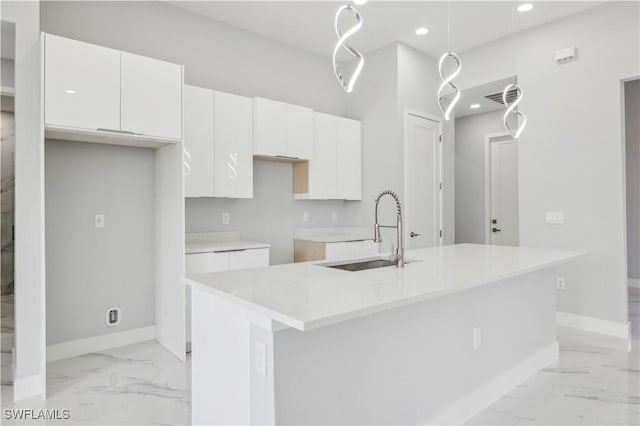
[(596, 381)]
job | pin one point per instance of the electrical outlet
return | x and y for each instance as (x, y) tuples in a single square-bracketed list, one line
[(225, 218), (556, 218), (561, 283), (112, 317), (98, 221), (305, 217), (334, 216), (477, 337)]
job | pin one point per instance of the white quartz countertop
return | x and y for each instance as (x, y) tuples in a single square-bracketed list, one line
[(307, 296), (217, 246)]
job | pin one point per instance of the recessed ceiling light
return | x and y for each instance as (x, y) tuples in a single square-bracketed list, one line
[(359, 2), (474, 106), (422, 31), (525, 7), (70, 91)]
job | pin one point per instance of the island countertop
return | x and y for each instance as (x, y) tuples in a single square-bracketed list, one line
[(308, 295)]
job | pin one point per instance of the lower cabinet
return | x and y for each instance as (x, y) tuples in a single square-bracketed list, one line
[(306, 251), (200, 263)]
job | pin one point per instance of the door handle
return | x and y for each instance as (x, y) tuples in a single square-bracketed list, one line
[(414, 234), (495, 230)]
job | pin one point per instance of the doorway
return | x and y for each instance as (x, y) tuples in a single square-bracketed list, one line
[(423, 181), (501, 190)]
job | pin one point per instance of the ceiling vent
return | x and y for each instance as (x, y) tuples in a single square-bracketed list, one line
[(497, 97)]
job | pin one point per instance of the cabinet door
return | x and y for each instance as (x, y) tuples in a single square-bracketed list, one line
[(247, 259), (338, 251), (299, 132), (151, 96), (198, 142), (270, 127), (201, 263), (82, 85), (322, 169), (349, 159), (233, 150)]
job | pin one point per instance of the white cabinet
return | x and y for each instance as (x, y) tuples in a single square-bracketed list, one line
[(349, 160), (246, 259), (198, 142), (233, 146), (335, 171), (200, 263), (82, 85), (282, 130), (96, 94), (350, 250), (151, 96)]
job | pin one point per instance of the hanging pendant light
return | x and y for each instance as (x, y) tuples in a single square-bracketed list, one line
[(445, 107), (512, 108), (347, 83)]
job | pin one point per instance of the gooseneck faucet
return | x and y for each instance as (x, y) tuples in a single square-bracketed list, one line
[(399, 255)]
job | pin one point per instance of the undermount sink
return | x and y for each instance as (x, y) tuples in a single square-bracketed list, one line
[(362, 264)]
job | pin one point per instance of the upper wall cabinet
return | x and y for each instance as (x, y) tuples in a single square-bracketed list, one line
[(218, 144), (282, 130), (96, 94), (335, 172)]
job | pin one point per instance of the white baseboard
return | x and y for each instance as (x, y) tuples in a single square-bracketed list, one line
[(99, 343), (468, 406), (633, 282), (28, 387), (592, 324)]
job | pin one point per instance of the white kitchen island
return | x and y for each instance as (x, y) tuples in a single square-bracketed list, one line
[(434, 342)]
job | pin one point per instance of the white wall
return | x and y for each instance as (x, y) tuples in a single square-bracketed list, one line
[(571, 156), (221, 57), (470, 174), (30, 361), (90, 270), (632, 155), (7, 72)]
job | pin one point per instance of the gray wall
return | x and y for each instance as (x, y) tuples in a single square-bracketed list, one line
[(571, 154), (7, 73), (470, 174), (272, 214), (221, 57), (632, 135), (89, 269)]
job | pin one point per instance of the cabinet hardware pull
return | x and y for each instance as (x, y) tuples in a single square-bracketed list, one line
[(124, 132), (287, 157)]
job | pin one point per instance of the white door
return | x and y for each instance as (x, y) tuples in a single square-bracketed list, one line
[(82, 85), (151, 96), (503, 226), (422, 183), (233, 147), (198, 142), (349, 160)]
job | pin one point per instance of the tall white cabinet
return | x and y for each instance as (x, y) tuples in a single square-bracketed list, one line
[(218, 144), (97, 94), (336, 168)]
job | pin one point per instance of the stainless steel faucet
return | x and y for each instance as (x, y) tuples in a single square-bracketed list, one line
[(399, 255)]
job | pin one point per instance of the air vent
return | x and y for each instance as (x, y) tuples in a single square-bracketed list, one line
[(497, 97)]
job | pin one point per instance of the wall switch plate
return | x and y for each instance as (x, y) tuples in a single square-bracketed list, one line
[(98, 221), (112, 317), (477, 337), (334, 216), (561, 283), (305, 217), (225, 218), (555, 217), (261, 358)]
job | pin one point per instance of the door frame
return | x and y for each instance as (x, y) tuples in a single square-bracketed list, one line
[(408, 112), (488, 140)]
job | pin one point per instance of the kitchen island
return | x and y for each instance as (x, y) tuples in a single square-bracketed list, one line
[(433, 342)]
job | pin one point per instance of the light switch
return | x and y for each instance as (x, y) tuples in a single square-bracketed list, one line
[(555, 217), (98, 221), (261, 358)]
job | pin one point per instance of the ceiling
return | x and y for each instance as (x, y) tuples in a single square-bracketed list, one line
[(476, 95), (309, 24)]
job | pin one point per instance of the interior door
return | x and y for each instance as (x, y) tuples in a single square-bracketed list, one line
[(504, 193), (422, 183)]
